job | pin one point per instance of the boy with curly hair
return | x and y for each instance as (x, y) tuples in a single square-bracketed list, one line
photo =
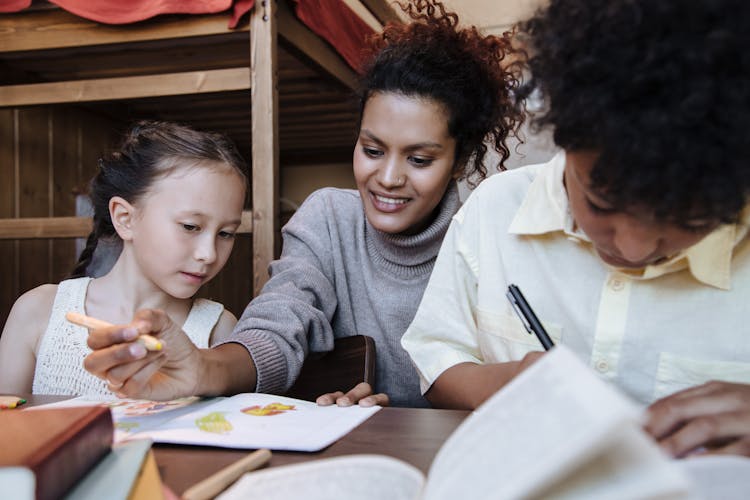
[(632, 243)]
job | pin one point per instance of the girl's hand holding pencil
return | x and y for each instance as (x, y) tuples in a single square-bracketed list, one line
[(149, 342)]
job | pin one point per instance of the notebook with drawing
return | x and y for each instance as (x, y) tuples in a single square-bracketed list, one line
[(243, 421)]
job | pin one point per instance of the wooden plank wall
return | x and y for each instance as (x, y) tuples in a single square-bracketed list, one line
[(47, 156)]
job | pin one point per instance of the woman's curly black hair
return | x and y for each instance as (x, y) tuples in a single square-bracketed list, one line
[(660, 89), (472, 75)]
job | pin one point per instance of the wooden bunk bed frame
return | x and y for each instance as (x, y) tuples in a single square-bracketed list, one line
[(147, 76)]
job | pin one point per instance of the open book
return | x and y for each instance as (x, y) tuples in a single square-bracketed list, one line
[(555, 431), (242, 421)]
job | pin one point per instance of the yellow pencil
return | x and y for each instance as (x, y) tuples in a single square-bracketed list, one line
[(215, 484), (149, 342)]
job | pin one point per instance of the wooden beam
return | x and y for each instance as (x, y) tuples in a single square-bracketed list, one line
[(265, 137), (56, 28), (71, 227), (128, 87), (382, 10), (45, 227), (303, 40)]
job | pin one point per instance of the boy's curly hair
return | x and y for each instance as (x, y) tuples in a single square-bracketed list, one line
[(472, 75), (660, 89)]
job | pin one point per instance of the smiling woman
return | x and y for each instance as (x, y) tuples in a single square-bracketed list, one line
[(357, 262), (403, 172)]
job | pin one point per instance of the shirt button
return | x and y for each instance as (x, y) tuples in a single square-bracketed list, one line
[(602, 365), (616, 284)]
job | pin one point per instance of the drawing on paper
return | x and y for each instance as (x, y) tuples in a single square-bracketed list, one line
[(127, 426), (214, 423), (141, 408), (268, 410)]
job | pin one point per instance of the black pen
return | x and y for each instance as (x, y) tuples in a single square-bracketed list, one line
[(528, 318)]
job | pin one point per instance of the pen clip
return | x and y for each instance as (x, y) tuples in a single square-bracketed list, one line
[(520, 315)]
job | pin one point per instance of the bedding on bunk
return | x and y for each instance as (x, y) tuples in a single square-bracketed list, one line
[(332, 20)]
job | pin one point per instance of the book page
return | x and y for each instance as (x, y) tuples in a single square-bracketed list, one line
[(543, 424), (631, 466), (718, 476), (361, 477)]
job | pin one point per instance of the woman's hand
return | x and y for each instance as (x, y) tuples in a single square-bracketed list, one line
[(132, 371), (361, 394), (710, 418)]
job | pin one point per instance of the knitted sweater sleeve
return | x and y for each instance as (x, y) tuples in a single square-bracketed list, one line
[(294, 309)]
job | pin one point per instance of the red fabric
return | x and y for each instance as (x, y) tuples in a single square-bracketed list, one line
[(121, 12), (14, 5), (131, 11), (335, 22), (332, 20), (241, 7)]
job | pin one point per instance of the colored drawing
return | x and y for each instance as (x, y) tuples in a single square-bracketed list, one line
[(269, 409), (150, 407), (214, 423), (126, 426)]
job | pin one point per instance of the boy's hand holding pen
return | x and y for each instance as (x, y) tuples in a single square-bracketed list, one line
[(149, 342)]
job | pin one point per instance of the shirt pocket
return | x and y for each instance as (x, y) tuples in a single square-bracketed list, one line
[(675, 373), (502, 337)]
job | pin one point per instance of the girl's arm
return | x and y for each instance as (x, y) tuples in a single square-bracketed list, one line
[(223, 329), (26, 324)]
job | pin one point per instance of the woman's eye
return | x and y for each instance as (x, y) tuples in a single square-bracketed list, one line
[(420, 162), (190, 227)]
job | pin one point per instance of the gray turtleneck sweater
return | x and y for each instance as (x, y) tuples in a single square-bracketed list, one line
[(337, 277)]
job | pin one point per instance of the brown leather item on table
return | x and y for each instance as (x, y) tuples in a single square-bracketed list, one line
[(58, 445)]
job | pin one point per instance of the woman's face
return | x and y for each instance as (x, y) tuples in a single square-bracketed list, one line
[(403, 161)]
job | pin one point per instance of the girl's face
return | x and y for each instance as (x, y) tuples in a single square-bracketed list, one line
[(184, 227), (403, 161)]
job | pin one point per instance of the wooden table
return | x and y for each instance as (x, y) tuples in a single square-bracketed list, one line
[(410, 434)]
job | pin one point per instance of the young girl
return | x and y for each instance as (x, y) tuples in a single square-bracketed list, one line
[(174, 196), (357, 262)]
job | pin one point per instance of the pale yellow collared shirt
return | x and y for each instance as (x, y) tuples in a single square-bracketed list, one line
[(651, 331)]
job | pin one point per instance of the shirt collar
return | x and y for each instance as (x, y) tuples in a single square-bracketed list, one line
[(545, 210)]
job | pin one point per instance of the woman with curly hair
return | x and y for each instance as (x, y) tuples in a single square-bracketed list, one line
[(356, 262), (632, 243)]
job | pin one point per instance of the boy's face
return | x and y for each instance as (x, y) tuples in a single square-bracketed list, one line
[(624, 238), (403, 161)]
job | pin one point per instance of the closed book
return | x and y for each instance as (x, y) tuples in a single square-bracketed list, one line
[(120, 473), (58, 446)]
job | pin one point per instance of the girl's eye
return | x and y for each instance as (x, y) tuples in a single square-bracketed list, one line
[(226, 235), (190, 227), (420, 162), (600, 210), (372, 152)]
